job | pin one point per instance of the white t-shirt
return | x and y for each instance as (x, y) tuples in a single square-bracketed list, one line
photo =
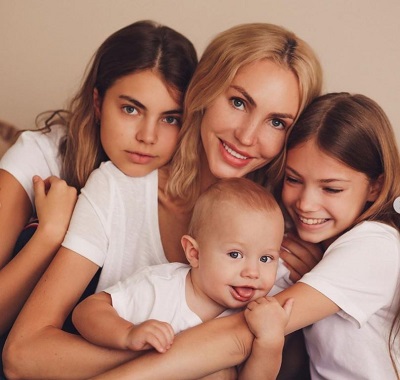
[(360, 272), (34, 153), (156, 292), (115, 223)]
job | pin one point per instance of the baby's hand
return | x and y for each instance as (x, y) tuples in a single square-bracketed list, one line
[(267, 319), (55, 202), (149, 334)]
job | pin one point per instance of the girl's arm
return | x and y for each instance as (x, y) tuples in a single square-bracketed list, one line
[(220, 343), (15, 211), (37, 347), (299, 256), (55, 201), (97, 321)]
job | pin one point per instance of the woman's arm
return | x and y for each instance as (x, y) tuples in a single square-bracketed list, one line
[(197, 352), (37, 347), (220, 343), (55, 201)]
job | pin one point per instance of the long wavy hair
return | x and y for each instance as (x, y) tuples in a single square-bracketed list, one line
[(356, 131), (139, 46), (224, 56)]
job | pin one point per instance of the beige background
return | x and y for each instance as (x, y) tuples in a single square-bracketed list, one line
[(46, 44)]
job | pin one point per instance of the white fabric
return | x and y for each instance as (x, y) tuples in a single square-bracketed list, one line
[(156, 292), (115, 223), (360, 272), (34, 153)]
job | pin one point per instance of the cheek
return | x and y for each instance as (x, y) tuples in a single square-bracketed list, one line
[(286, 195), (272, 144)]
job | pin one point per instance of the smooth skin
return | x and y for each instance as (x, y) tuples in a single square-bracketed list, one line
[(54, 201), (321, 197), (57, 352)]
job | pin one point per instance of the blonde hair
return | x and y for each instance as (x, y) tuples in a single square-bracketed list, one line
[(240, 191), (221, 60)]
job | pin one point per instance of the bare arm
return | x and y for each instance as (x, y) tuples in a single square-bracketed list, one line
[(55, 203), (99, 323), (267, 320), (220, 343), (15, 211), (37, 347), (299, 256)]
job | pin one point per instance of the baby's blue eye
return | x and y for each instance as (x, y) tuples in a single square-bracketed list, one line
[(235, 255), (265, 259)]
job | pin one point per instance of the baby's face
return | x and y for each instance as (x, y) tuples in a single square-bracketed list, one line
[(238, 254)]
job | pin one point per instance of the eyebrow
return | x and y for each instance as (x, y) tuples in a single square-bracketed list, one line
[(142, 106), (328, 180), (254, 104)]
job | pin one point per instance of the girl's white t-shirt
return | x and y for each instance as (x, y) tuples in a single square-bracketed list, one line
[(360, 272)]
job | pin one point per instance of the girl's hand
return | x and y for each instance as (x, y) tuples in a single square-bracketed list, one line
[(267, 319), (150, 334), (299, 256), (55, 202)]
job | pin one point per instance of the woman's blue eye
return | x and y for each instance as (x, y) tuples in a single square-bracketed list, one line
[(235, 255), (238, 103), (130, 110), (276, 123), (265, 259)]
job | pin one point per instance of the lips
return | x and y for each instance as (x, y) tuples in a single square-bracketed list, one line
[(234, 153), (312, 221), (243, 293), (233, 156), (140, 158)]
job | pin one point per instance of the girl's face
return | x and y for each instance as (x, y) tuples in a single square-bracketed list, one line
[(245, 126), (140, 121), (322, 195)]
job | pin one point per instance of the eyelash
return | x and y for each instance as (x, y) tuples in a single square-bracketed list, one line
[(235, 99), (126, 108), (295, 181), (282, 125)]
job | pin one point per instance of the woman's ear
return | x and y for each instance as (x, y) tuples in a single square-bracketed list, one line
[(375, 188), (191, 249), (97, 103)]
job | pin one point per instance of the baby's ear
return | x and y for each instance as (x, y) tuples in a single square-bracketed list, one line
[(191, 249), (375, 188)]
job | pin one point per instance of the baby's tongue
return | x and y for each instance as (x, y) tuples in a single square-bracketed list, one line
[(244, 292)]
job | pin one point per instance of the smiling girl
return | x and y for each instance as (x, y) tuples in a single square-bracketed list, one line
[(342, 177)]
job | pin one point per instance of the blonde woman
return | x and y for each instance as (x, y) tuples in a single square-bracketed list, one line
[(251, 84)]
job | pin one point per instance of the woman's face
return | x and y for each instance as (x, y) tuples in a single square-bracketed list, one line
[(245, 127), (140, 122)]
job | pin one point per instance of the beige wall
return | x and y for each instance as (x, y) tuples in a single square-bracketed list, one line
[(45, 44)]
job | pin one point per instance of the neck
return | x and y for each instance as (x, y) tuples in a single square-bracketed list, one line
[(199, 302), (206, 177)]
